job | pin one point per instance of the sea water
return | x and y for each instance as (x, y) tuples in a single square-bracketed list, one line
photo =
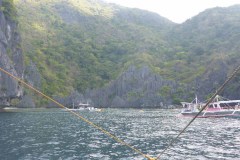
[(54, 134)]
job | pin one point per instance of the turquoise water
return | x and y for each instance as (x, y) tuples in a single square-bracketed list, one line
[(53, 134)]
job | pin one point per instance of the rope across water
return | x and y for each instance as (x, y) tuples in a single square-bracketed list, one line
[(113, 136), (78, 115), (220, 89)]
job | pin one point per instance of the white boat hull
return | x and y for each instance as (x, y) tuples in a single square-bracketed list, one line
[(206, 114)]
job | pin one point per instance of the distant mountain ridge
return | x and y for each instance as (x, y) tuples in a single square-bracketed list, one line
[(89, 46)]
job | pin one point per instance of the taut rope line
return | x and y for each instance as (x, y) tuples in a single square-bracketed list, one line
[(79, 116), (220, 89)]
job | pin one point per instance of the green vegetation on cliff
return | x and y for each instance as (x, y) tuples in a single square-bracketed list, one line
[(9, 9), (85, 44), (81, 45)]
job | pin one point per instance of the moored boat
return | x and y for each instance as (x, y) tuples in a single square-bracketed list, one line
[(220, 107), (79, 107), (83, 106)]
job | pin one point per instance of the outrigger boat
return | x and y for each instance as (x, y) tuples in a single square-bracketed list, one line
[(220, 107)]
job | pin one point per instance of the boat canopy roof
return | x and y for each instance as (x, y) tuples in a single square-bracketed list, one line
[(83, 104), (230, 101)]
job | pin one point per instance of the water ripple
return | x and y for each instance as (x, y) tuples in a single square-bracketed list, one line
[(54, 134)]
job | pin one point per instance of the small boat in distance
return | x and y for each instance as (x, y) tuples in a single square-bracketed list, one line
[(80, 106), (83, 106), (220, 107)]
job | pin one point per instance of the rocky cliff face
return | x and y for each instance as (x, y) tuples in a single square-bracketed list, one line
[(142, 88), (136, 87), (82, 47), (11, 59)]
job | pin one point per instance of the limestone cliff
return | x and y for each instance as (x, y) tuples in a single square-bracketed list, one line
[(141, 87), (136, 87), (11, 59)]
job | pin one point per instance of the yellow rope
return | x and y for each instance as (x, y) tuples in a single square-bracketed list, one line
[(79, 116), (220, 89)]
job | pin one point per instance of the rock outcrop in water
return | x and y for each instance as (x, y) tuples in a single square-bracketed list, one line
[(11, 59)]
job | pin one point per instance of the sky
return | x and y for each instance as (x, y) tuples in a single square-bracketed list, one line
[(175, 10)]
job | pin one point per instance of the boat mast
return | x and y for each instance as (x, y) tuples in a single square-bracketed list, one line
[(196, 99)]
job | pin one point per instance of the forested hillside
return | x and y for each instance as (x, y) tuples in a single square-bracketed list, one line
[(85, 44), (88, 45)]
